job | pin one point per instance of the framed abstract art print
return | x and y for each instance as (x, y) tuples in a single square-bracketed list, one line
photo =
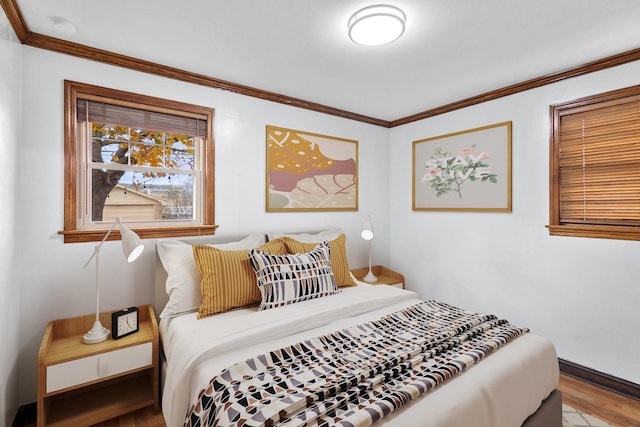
[(310, 172)]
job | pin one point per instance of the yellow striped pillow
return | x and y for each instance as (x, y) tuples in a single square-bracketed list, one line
[(338, 256), (228, 280)]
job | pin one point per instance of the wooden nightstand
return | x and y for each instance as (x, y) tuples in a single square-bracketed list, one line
[(83, 384), (385, 275)]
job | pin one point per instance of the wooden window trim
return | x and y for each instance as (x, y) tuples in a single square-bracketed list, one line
[(556, 228), (71, 232)]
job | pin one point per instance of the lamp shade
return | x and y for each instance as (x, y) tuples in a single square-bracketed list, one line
[(376, 25), (131, 243)]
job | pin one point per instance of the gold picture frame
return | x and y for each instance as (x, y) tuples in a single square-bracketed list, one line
[(464, 171), (307, 171)]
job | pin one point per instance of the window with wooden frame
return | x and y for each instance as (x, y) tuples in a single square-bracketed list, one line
[(147, 160), (595, 166)]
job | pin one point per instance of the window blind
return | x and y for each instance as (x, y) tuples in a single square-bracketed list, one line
[(599, 164), (102, 112)]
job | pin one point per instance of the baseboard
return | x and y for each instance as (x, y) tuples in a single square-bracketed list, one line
[(27, 414), (600, 379)]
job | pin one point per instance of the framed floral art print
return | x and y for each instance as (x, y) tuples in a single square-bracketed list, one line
[(310, 172), (464, 171)]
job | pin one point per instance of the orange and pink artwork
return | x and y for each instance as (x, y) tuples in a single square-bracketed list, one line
[(309, 171)]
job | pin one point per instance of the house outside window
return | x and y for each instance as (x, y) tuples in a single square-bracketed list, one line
[(595, 166), (146, 160)]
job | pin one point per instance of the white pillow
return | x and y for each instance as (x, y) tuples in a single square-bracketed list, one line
[(183, 277), (319, 237)]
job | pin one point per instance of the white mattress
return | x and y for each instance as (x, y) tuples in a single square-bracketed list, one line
[(501, 391)]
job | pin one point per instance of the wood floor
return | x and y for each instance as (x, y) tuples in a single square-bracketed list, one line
[(141, 418), (600, 403)]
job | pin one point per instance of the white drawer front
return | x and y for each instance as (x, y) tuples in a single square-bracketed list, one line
[(92, 368)]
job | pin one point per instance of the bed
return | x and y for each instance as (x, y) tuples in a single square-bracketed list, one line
[(515, 385)]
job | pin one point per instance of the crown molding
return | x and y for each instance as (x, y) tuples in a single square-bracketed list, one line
[(81, 51), (53, 44), (15, 18), (598, 65)]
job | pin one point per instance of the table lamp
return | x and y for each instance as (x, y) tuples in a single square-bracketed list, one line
[(132, 247), (367, 234)]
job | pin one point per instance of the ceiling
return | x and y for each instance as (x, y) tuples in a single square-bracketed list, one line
[(451, 49)]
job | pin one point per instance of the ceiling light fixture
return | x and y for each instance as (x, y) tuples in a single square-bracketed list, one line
[(376, 25), (63, 25)]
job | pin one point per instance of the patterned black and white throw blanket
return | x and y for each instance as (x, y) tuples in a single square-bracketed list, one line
[(354, 376)]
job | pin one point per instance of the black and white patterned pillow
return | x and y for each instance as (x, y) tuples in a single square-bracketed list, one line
[(287, 279)]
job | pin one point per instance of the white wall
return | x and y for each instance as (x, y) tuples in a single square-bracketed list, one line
[(10, 85), (581, 293), (505, 263), (50, 274)]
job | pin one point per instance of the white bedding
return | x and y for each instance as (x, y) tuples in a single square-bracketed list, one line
[(501, 391)]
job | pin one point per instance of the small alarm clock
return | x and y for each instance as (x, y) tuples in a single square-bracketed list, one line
[(124, 322)]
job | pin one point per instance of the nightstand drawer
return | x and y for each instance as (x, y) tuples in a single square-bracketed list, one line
[(87, 369)]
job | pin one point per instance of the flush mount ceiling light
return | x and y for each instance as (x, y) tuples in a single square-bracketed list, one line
[(63, 25), (376, 25)]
